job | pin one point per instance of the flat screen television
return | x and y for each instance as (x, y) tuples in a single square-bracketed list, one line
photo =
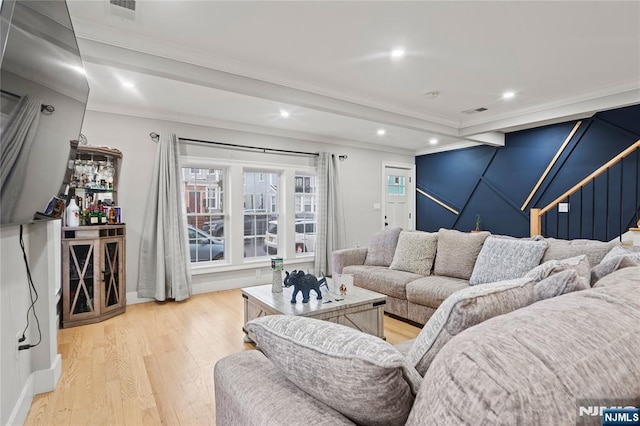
[(41, 59)]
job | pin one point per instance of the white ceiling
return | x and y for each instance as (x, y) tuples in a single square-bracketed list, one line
[(237, 64)]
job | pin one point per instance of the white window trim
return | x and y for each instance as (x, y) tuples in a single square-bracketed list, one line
[(234, 252)]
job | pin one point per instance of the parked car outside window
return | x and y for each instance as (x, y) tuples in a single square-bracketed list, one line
[(305, 236), (203, 247)]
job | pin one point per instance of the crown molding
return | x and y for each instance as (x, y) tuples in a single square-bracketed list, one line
[(242, 127)]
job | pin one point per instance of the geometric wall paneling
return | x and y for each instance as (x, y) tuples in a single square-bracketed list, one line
[(496, 182)]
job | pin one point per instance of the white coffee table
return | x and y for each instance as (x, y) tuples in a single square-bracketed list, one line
[(360, 308)]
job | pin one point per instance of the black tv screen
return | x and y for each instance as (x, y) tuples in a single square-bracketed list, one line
[(41, 60)]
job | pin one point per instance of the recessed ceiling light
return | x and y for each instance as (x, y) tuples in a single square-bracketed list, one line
[(381, 132), (397, 53), (432, 95), (508, 95), (128, 84), (284, 114), (433, 141)]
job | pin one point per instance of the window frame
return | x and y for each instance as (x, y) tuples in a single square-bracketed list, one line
[(234, 184)]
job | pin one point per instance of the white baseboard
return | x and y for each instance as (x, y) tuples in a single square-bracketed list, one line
[(209, 286), (39, 381)]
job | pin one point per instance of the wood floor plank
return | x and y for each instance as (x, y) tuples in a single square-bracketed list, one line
[(152, 365)]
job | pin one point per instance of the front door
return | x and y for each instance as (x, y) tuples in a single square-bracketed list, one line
[(398, 206)]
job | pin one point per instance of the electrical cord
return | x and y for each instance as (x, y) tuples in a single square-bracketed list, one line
[(32, 290)]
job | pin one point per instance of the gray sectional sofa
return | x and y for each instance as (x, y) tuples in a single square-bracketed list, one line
[(417, 270), (493, 354)]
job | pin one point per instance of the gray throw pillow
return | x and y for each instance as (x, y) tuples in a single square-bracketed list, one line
[(457, 252), (466, 308), (382, 247), (563, 249), (415, 252), (612, 264), (620, 251), (579, 263), (620, 276), (357, 374), (505, 259), (563, 282)]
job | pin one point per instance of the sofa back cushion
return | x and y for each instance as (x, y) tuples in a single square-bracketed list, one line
[(558, 284), (361, 376), (534, 365), (382, 247), (579, 263), (505, 259), (562, 249), (466, 308), (415, 252), (457, 252)]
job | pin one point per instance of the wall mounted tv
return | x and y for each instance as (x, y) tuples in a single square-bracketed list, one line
[(40, 60)]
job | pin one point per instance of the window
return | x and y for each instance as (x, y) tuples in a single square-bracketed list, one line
[(257, 214), (396, 185), (305, 209), (235, 212), (203, 191)]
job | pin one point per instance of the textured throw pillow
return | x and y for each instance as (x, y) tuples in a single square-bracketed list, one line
[(357, 374), (382, 247), (466, 308), (620, 251), (505, 259), (579, 263), (457, 252), (415, 252), (612, 264), (563, 282)]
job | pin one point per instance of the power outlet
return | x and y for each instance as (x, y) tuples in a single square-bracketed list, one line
[(17, 343)]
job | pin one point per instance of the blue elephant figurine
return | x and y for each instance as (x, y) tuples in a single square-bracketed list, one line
[(304, 283)]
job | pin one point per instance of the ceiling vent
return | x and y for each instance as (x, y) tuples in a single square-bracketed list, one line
[(123, 8), (475, 110)]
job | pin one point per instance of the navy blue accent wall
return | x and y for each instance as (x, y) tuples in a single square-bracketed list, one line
[(494, 182)]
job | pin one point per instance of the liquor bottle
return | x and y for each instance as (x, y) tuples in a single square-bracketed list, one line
[(93, 216), (73, 213)]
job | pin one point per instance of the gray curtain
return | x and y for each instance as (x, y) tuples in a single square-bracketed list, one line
[(17, 136), (164, 270), (330, 227)]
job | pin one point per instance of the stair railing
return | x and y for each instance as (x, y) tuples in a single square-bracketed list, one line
[(536, 214)]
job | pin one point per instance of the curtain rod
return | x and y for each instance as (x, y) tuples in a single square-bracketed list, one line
[(156, 137), (48, 108)]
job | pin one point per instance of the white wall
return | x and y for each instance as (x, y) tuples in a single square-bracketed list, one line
[(361, 177), (35, 370)]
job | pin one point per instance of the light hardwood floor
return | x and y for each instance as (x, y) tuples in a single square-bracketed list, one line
[(152, 365)]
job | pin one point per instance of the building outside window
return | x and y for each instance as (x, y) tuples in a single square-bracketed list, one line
[(203, 191), (305, 213), (258, 216)]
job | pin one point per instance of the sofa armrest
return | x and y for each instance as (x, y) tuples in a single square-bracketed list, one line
[(347, 257), (250, 390)]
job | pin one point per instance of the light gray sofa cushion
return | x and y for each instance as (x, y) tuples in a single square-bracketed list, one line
[(382, 247), (457, 252), (621, 275), (464, 309), (433, 290), (558, 284), (346, 257), (533, 365), (505, 259), (384, 280), (355, 373), (579, 263), (415, 252), (251, 391), (563, 249), (620, 251), (612, 264)]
